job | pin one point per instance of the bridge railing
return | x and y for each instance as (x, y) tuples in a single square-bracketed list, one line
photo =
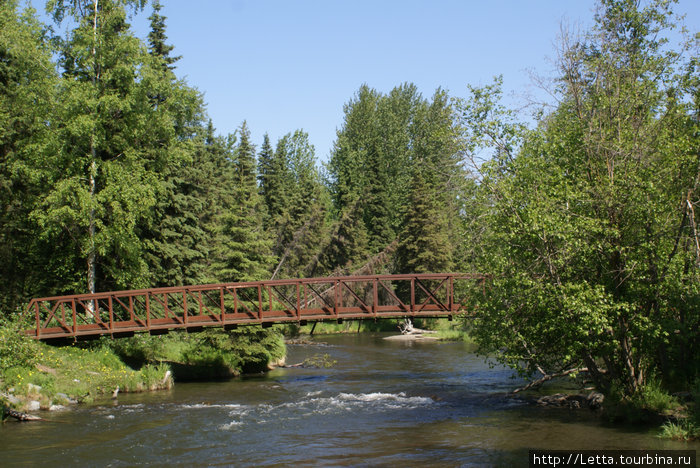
[(229, 304)]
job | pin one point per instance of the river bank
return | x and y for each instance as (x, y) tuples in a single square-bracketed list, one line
[(379, 405), (36, 376)]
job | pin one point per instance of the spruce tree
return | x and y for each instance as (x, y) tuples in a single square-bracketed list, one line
[(157, 39), (175, 237), (245, 253), (348, 244), (385, 141), (266, 177), (424, 244), (301, 212)]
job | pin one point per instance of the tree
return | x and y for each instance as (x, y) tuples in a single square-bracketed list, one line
[(348, 245), (103, 175), (245, 252), (300, 212), (589, 212), (27, 100), (157, 38), (424, 244), (275, 184), (390, 148), (176, 242)]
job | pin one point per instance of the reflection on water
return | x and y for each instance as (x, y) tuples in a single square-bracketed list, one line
[(384, 403)]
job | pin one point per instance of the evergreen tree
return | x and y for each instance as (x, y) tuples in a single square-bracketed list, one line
[(277, 185), (266, 177), (175, 238), (424, 243), (157, 39), (301, 220), (245, 253), (386, 140), (348, 245)]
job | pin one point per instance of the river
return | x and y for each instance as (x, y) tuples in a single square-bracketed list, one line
[(383, 403)]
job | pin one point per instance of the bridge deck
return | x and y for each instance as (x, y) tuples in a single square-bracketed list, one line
[(157, 310)]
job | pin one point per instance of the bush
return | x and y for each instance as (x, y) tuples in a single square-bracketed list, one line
[(141, 349), (16, 348)]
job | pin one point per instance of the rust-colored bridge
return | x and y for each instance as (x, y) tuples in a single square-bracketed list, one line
[(157, 310)]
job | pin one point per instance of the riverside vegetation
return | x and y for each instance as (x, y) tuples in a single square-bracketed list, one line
[(112, 176), (35, 375)]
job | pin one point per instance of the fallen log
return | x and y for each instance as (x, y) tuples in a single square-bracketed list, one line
[(19, 416)]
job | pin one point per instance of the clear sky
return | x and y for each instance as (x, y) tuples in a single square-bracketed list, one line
[(288, 64)]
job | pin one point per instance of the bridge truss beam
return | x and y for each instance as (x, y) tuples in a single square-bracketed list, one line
[(157, 310)]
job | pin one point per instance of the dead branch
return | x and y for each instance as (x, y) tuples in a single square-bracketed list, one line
[(547, 377)]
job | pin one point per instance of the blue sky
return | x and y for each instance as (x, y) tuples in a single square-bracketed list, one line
[(288, 64)]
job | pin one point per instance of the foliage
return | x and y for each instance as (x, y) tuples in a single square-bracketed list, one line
[(27, 87), (245, 251), (650, 403), (300, 225), (110, 178), (589, 236), (394, 174), (684, 430), (16, 349), (156, 38), (248, 350), (142, 349), (80, 374)]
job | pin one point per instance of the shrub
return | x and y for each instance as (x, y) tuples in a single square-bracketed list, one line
[(16, 348)]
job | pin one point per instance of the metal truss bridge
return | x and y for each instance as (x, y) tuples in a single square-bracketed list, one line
[(227, 305)]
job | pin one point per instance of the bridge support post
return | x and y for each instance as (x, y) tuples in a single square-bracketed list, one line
[(75, 317), (413, 295), (223, 308), (375, 297), (38, 320)]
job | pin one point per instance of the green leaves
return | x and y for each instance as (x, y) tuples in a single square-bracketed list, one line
[(584, 214)]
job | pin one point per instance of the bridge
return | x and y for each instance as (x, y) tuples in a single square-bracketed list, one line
[(227, 305)]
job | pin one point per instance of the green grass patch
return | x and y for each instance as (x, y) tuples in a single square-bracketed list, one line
[(684, 430), (61, 374), (651, 403)]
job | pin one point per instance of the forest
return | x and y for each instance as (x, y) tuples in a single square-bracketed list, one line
[(112, 176)]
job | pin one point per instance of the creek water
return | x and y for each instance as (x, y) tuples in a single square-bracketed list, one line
[(383, 403)]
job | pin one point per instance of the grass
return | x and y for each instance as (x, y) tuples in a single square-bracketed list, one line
[(649, 404), (83, 372), (59, 375), (683, 430)]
